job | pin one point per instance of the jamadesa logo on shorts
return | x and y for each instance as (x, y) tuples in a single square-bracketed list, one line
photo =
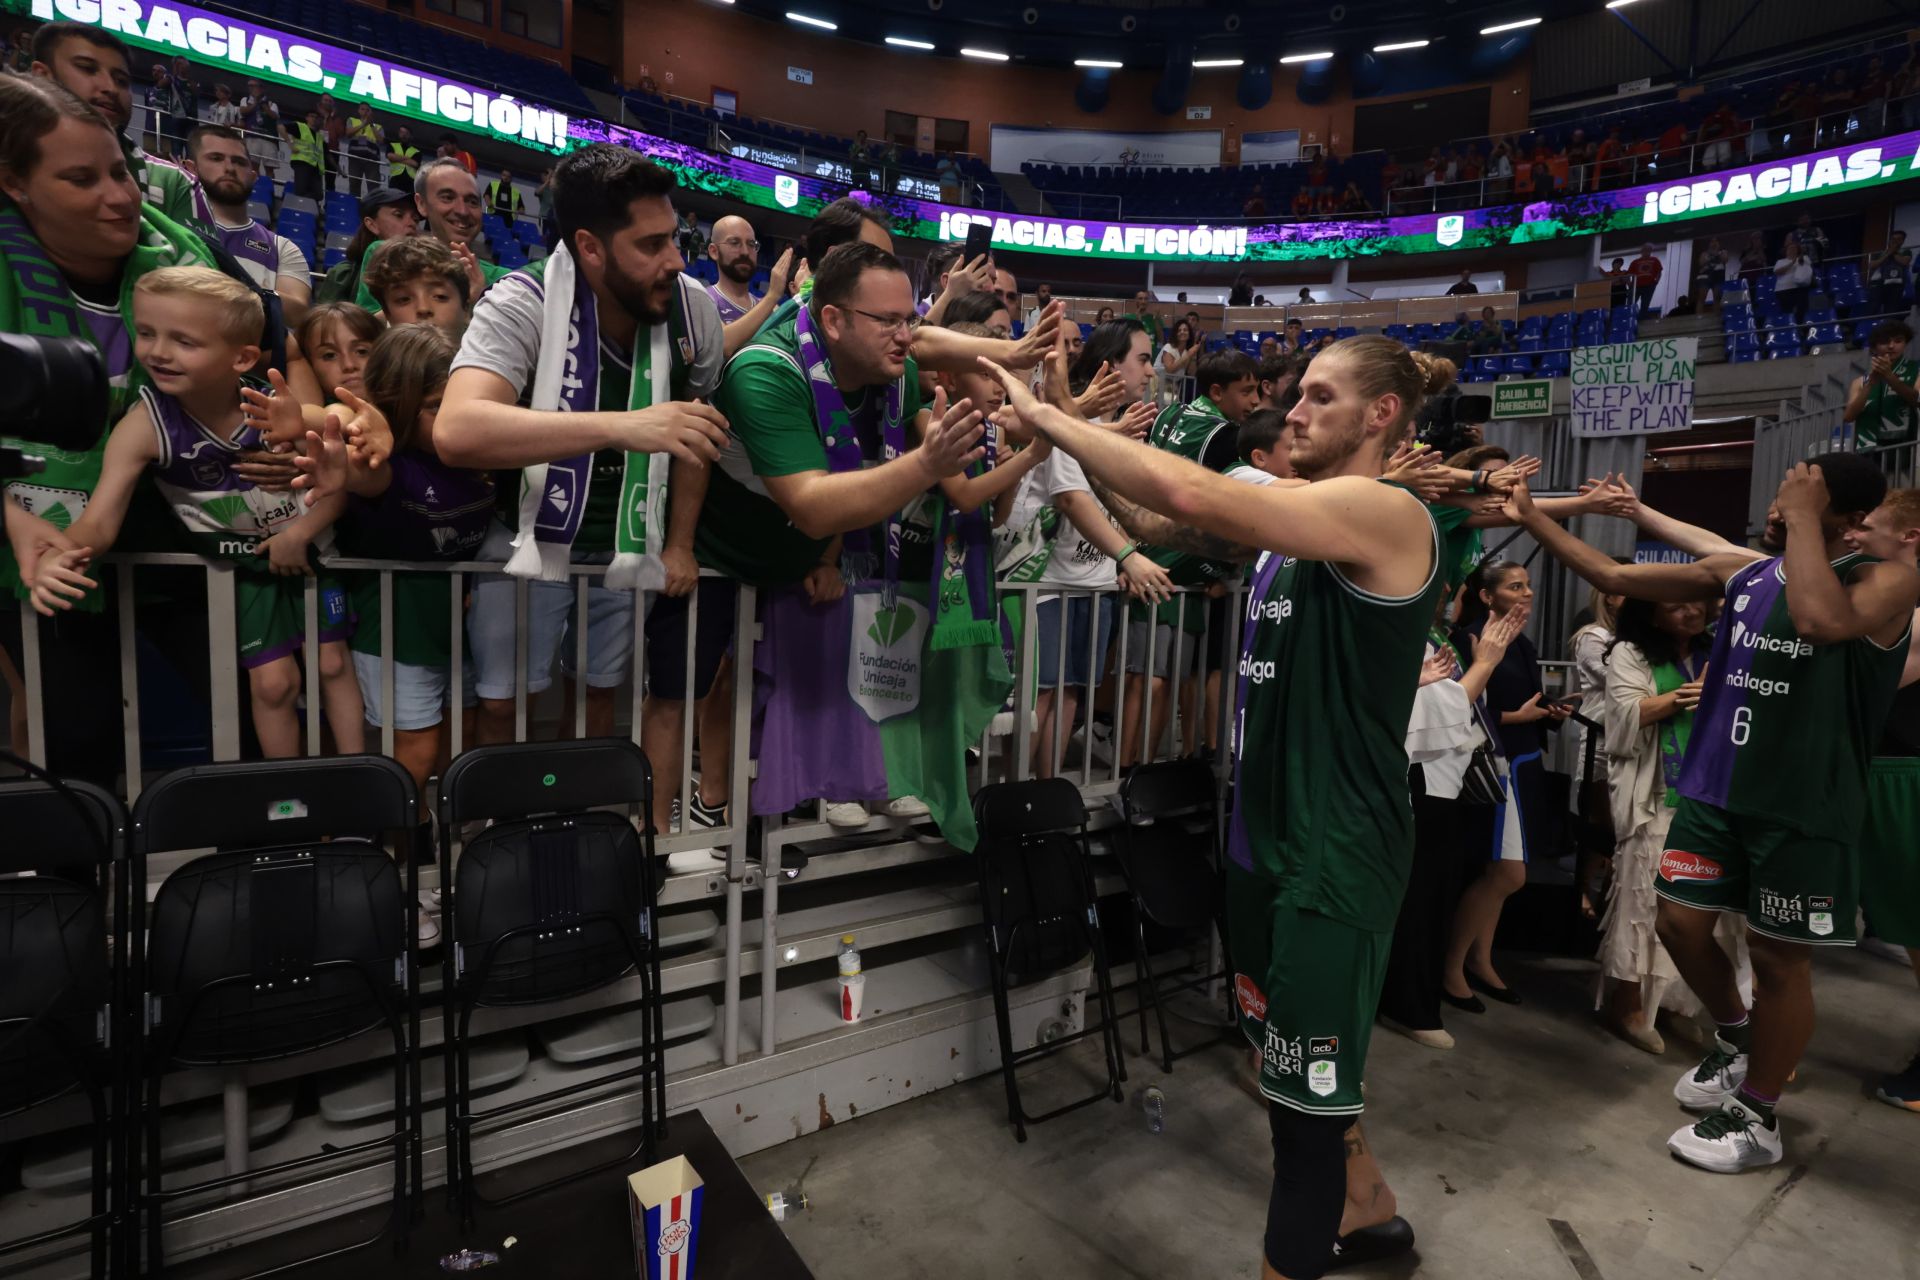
[(1253, 1001), (1676, 866)]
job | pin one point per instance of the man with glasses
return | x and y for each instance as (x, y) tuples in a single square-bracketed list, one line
[(736, 253), (833, 458)]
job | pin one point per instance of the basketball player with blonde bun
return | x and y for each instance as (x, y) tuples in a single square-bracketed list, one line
[(1321, 838)]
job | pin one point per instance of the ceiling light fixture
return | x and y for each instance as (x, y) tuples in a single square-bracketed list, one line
[(1404, 44), (1292, 58), (1509, 26), (904, 43), (1204, 64), (1097, 62), (809, 20), (985, 55)]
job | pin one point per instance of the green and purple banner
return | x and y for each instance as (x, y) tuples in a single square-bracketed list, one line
[(217, 39)]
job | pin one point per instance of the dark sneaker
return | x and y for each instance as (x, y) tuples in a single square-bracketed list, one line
[(1902, 1090)]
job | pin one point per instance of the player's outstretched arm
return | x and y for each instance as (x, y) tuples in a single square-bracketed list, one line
[(1704, 579), (1345, 520)]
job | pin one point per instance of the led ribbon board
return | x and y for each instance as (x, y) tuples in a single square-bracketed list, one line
[(257, 51), (249, 50)]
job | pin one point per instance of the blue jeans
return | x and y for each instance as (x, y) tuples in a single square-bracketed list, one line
[(1080, 618)]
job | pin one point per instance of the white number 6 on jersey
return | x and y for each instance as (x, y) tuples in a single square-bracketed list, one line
[(1742, 726)]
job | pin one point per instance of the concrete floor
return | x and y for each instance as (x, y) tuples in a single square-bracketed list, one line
[(1534, 1150)]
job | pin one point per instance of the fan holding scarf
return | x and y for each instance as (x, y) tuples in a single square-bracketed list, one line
[(583, 372), (72, 244)]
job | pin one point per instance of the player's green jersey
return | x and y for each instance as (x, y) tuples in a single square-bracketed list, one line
[(1888, 419), (1327, 680), (1200, 433), (1786, 728)]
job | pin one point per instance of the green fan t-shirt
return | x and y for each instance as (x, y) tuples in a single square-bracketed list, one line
[(768, 403)]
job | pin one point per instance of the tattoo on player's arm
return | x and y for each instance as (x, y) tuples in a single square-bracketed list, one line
[(1356, 1144), (1157, 530)]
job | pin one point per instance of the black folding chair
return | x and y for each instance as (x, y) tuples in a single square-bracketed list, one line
[(293, 935), (1169, 852), (1037, 897), (61, 865), (555, 898)]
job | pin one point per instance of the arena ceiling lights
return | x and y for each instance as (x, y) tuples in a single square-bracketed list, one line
[(902, 42), (1101, 63), (1618, 4), (1402, 44), (1209, 64), (985, 55), (808, 20), (1510, 26), (1293, 58)]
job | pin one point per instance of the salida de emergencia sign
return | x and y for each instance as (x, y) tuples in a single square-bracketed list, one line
[(1523, 398), (1634, 388)]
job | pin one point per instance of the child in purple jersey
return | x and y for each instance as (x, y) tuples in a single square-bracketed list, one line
[(196, 332), (414, 508)]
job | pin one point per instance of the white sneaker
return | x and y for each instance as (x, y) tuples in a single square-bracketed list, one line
[(428, 931), (907, 807), (1708, 1086), (1728, 1141), (848, 813)]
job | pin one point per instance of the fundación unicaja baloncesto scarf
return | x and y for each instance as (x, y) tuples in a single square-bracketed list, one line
[(553, 495), (961, 587)]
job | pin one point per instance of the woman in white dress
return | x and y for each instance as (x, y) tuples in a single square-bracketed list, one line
[(1654, 672)]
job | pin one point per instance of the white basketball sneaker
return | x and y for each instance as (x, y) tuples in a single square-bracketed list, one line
[(1730, 1140), (1709, 1085)]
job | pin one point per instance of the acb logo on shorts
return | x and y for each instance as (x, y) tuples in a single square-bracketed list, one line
[(1253, 1001), (1323, 1046)]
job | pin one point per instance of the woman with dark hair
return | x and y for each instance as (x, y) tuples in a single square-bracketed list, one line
[(1178, 354), (1654, 671), (386, 213), (1509, 832), (76, 237), (1103, 316)]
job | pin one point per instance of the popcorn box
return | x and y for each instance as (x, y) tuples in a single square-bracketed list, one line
[(664, 1202)]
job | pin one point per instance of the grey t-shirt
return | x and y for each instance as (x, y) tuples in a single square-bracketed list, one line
[(504, 338), (504, 334)]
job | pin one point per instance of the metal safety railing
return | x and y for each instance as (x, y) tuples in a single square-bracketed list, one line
[(1167, 718)]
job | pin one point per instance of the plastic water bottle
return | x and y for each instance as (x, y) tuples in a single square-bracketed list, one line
[(784, 1204), (852, 982), (1155, 1104)]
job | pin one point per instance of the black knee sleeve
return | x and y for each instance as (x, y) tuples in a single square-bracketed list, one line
[(1309, 1190)]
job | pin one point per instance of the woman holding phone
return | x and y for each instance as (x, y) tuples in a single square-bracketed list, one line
[(1510, 832)]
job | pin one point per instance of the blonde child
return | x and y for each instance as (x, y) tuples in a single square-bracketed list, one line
[(196, 332)]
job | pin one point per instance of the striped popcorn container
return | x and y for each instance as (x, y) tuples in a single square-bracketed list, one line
[(664, 1202)]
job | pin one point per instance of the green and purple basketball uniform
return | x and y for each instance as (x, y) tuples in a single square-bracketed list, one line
[(1773, 790), (1321, 837), (226, 518)]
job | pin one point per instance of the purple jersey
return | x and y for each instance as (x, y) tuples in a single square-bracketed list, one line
[(252, 244), (1786, 728), (225, 515), (728, 308), (430, 511)]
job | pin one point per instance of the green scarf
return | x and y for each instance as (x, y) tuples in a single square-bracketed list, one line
[(1674, 732), (35, 299)]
